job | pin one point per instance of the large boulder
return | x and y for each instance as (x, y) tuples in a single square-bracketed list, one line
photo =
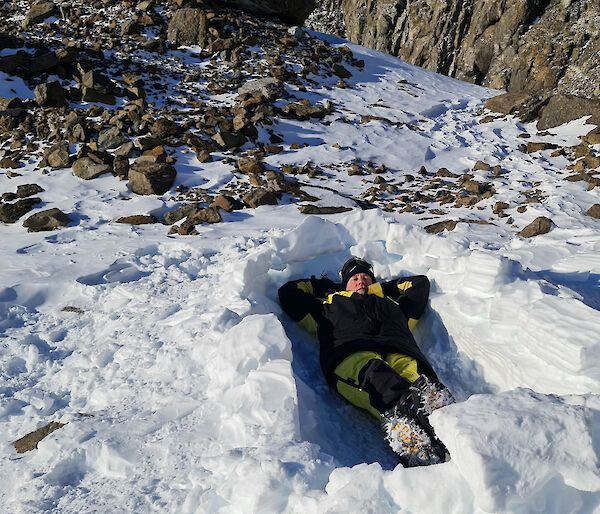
[(496, 44), (188, 26), (50, 94), (564, 108)]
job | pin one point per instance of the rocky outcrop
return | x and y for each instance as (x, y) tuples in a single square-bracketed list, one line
[(533, 45), (290, 11)]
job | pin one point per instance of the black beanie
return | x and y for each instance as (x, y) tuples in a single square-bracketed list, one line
[(352, 267)]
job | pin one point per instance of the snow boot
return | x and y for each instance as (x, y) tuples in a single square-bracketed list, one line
[(430, 394), (408, 438)]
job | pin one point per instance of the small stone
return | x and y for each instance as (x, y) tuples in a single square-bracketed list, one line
[(440, 226), (316, 209), (138, 219)]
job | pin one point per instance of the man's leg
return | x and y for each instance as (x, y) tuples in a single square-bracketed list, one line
[(368, 382)]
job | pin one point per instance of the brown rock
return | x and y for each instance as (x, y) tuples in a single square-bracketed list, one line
[(50, 94), (26, 190), (537, 147), (227, 203), (249, 165), (138, 219), (188, 26), (151, 178), (499, 207), (30, 441), (258, 197), (480, 165), (594, 211), (507, 103), (49, 219), (541, 225), (440, 226), (178, 214), (207, 215)]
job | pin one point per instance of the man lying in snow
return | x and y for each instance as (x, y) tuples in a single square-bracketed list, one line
[(369, 355)]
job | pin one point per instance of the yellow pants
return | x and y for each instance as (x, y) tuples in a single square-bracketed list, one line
[(349, 385)]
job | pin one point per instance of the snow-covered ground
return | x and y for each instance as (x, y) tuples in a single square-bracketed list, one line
[(184, 388)]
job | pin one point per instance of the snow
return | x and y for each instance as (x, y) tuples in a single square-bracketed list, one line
[(186, 389)]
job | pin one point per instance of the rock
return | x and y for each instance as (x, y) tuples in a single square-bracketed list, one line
[(269, 88), (164, 128), (258, 197), (249, 165), (594, 211), (480, 165), (303, 110), (207, 215), (444, 172), (39, 12), (50, 219), (87, 169), (178, 214), (533, 147), (540, 225), (340, 71), (50, 94), (229, 140), (57, 156), (7, 162), (508, 103), (151, 178), (499, 207), (100, 83), (227, 203), (440, 226), (138, 219), (188, 26), (11, 212), (27, 190), (94, 96), (564, 108), (316, 209), (293, 12), (472, 186), (111, 138), (30, 441)]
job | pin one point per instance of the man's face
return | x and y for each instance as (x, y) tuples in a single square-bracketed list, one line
[(359, 283)]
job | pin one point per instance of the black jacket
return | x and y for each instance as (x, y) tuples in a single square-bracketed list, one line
[(346, 322)]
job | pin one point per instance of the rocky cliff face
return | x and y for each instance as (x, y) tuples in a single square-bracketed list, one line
[(531, 45)]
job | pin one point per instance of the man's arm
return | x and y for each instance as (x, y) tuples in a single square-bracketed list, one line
[(300, 300), (411, 293)]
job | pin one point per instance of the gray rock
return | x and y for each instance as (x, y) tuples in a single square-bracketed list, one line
[(269, 87), (50, 94), (57, 156), (188, 26), (26, 190), (39, 12), (440, 226), (11, 212), (564, 108), (94, 80), (207, 215), (151, 178), (112, 138), (316, 209), (88, 169), (50, 219), (495, 44)]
